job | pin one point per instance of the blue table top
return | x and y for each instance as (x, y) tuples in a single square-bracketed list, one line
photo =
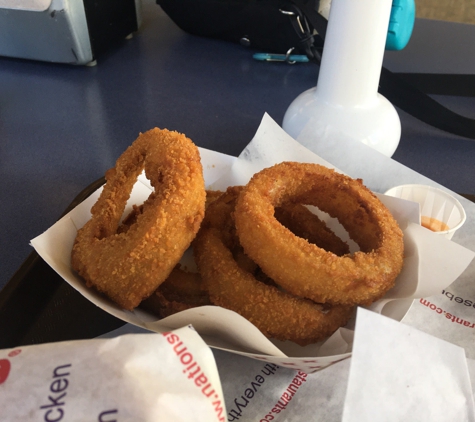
[(62, 126)]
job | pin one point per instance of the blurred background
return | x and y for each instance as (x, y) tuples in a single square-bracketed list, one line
[(448, 10)]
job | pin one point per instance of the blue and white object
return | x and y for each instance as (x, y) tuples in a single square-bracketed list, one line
[(401, 21)]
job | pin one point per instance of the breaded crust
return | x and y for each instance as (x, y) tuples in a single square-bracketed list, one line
[(130, 265)]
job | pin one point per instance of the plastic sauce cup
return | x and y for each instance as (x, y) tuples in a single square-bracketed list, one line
[(440, 211)]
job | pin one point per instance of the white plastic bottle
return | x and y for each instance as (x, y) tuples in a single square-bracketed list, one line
[(346, 103)]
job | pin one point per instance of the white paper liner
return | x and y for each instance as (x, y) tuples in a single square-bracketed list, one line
[(135, 377), (426, 255), (257, 390), (429, 377)]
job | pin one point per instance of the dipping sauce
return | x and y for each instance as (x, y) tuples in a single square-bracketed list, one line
[(434, 224)]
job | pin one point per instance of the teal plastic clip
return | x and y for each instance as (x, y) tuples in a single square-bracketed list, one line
[(289, 58), (401, 24)]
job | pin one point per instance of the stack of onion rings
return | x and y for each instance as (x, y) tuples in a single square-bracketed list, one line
[(233, 284), (128, 265), (259, 251)]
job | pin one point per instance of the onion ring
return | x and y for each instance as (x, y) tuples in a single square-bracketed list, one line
[(305, 269), (130, 265), (304, 223), (180, 291), (212, 195), (276, 313)]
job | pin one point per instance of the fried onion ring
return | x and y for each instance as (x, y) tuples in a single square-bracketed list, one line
[(128, 266), (303, 268), (180, 291), (232, 285), (304, 223), (212, 195)]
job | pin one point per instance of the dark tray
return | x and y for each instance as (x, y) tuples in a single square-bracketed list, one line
[(38, 306)]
